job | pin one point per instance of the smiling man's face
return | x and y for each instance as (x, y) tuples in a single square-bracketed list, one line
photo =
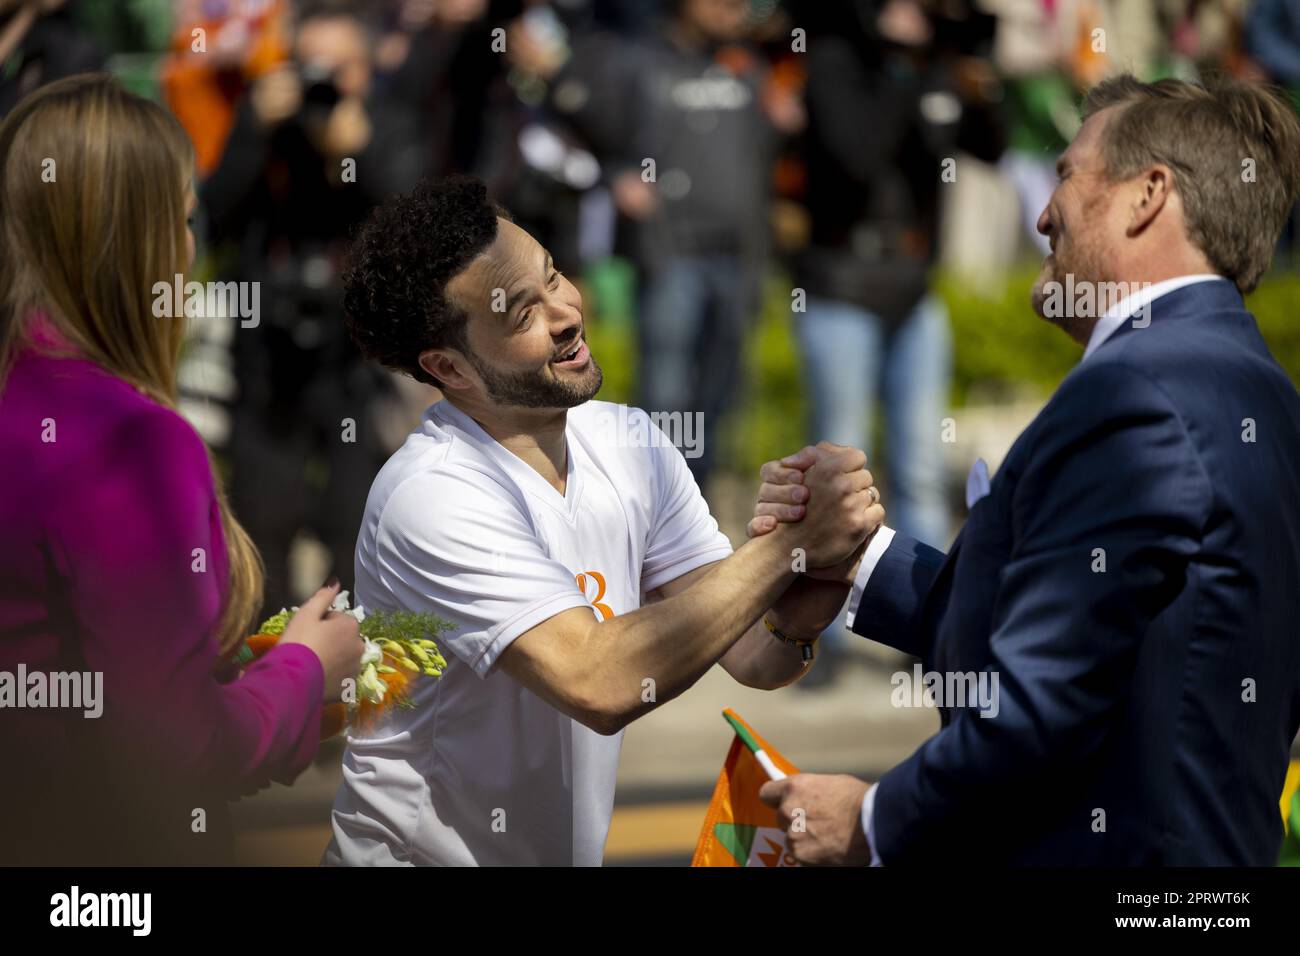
[(1082, 220), (525, 330)]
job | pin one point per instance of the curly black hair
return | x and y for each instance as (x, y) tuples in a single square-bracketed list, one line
[(394, 283)]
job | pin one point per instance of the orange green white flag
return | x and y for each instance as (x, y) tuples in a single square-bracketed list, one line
[(740, 829), (1290, 804)]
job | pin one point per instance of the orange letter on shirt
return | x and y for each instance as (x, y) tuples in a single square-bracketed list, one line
[(606, 612)]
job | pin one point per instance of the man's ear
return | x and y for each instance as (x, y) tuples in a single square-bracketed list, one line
[(447, 366), (1156, 186)]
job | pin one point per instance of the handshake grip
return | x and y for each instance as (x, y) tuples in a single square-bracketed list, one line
[(826, 499)]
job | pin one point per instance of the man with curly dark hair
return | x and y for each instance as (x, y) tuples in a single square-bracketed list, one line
[(392, 315), (538, 523)]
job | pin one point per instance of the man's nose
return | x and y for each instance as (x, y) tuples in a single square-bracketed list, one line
[(1044, 225), (567, 324)]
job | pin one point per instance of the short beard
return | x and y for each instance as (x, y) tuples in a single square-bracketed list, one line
[(533, 389), (1085, 268)]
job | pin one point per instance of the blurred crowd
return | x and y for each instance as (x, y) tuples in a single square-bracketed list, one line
[(707, 143)]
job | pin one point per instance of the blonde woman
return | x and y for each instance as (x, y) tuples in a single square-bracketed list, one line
[(125, 581)]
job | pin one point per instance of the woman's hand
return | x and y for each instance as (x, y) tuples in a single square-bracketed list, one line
[(333, 635)]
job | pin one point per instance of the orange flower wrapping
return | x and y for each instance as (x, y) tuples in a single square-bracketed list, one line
[(334, 717), (398, 685), (259, 644)]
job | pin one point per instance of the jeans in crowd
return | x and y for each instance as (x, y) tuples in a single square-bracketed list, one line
[(851, 358), (693, 317)]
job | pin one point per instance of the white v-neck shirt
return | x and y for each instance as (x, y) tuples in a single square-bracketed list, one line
[(480, 770)]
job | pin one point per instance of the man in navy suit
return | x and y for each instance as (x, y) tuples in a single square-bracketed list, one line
[(1129, 586)]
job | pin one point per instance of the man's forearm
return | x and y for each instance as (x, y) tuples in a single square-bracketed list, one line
[(674, 641), (763, 661), (808, 607), (803, 611)]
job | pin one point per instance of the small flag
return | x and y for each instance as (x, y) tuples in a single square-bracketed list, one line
[(1290, 805), (740, 829)]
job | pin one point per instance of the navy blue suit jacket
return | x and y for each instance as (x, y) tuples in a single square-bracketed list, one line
[(1164, 691)]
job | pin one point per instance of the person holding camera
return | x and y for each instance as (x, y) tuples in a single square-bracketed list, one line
[(310, 153)]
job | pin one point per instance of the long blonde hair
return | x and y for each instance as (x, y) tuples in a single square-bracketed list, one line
[(93, 184)]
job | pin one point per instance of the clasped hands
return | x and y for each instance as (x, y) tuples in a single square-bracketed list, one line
[(828, 499), (825, 492)]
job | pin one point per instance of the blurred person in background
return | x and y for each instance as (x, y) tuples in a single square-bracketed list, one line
[(893, 94), (1272, 34), (628, 18), (1049, 52), (435, 58), (558, 115), (564, 119), (1042, 99), (304, 444), (692, 101), (560, 58), (122, 559), (40, 43), (218, 50), (1204, 37)]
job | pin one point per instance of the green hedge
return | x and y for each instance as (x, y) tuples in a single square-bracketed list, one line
[(1000, 346), (1000, 342), (1276, 305)]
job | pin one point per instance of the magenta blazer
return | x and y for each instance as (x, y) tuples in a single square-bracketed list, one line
[(113, 562)]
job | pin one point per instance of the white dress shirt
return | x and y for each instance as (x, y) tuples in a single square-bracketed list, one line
[(1106, 326), (1127, 306)]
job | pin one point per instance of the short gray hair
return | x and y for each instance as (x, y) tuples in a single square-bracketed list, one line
[(1210, 136)]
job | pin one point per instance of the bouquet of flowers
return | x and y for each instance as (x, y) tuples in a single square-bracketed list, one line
[(398, 649)]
